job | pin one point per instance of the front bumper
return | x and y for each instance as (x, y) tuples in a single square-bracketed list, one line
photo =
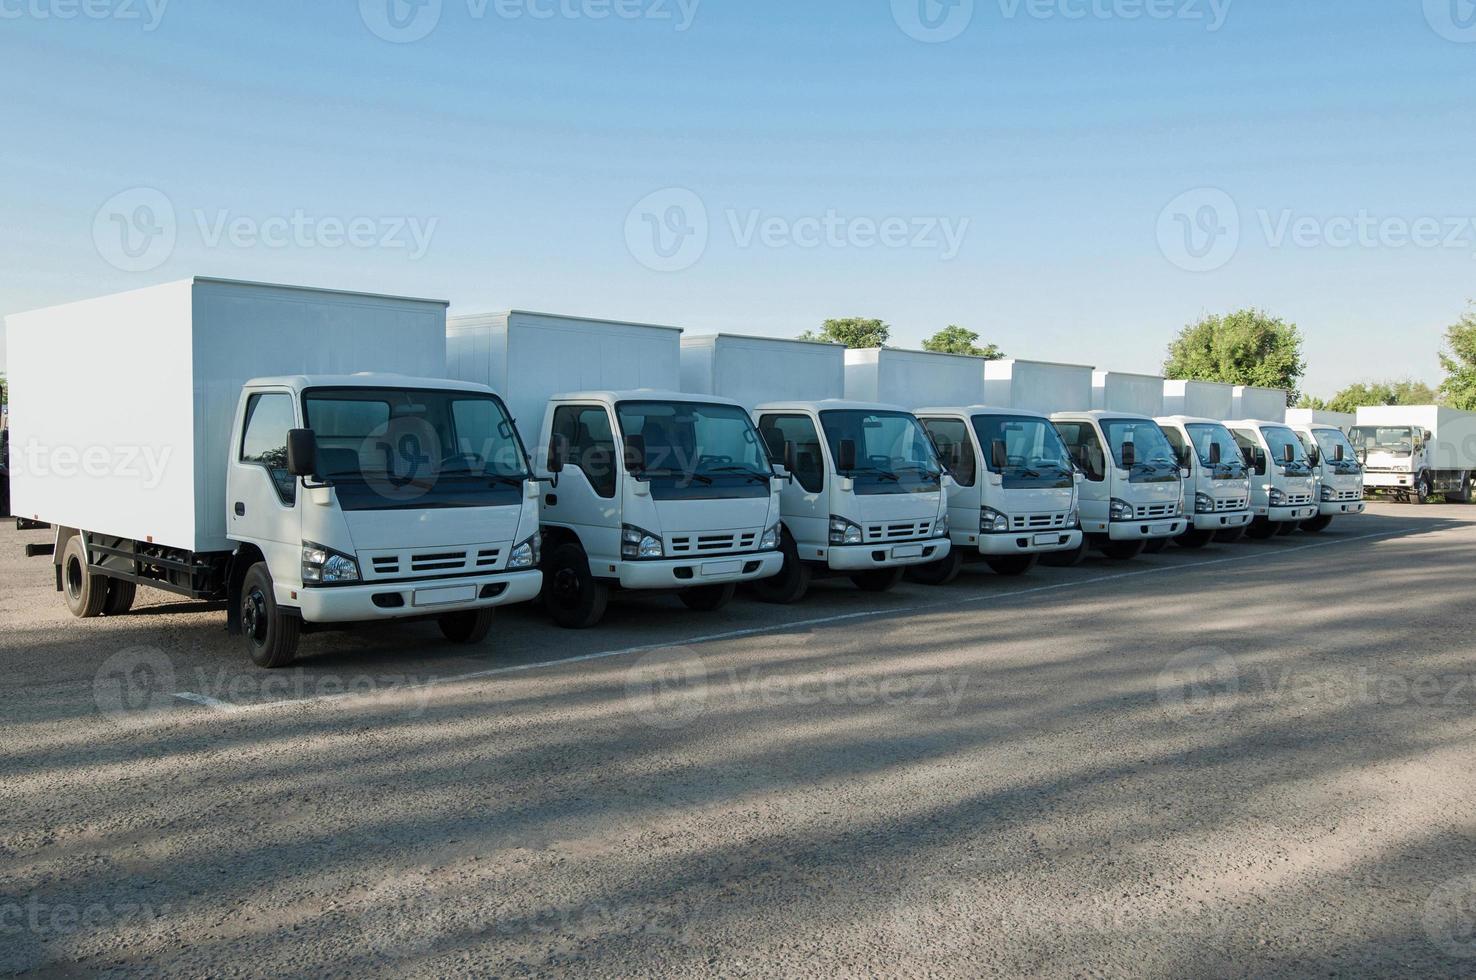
[(1222, 521), (1285, 515), (892, 554), (1146, 530), (1338, 508), (684, 573), (1032, 543), (1388, 481), (431, 597)]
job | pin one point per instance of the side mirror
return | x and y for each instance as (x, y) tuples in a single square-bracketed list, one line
[(555, 462), (845, 457), (999, 454), (1338, 454), (1315, 456), (302, 452), (1129, 455), (791, 459), (635, 454), (1215, 454), (1288, 454), (1258, 461), (774, 444)]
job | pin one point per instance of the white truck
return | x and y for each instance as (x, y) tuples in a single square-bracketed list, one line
[(242, 456), (1283, 488), (1336, 470), (1320, 416), (1133, 488), (1417, 451), (648, 488), (1266, 404), (1217, 493)]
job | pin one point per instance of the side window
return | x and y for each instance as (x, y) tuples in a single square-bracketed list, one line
[(587, 441), (1249, 447), (951, 436), (264, 443), (1085, 448), (809, 461), (1180, 447)]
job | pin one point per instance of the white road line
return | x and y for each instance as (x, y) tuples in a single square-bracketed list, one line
[(781, 627)]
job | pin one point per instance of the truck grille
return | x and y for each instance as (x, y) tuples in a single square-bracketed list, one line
[(1151, 511), (900, 531), (1298, 499), (1343, 496), (711, 544), (1231, 503), (1037, 522), (407, 564)]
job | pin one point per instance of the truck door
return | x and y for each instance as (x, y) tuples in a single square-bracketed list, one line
[(586, 500), (261, 496), (803, 504)]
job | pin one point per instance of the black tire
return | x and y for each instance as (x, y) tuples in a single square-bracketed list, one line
[(1066, 559), (1260, 529), (1234, 535), (468, 627), (1424, 488), (793, 580), (271, 637), (1194, 540), (1011, 565), (86, 593), (1286, 529), (1463, 495), (1123, 550), (1155, 546), (1317, 524), (571, 594), (120, 597), (878, 579), (708, 598), (939, 572)]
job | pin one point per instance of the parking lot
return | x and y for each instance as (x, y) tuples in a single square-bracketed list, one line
[(1250, 759)]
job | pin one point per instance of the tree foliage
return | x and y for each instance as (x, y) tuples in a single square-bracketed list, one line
[(954, 339), (1312, 402), (859, 332), (1247, 347), (1404, 392), (1459, 361)]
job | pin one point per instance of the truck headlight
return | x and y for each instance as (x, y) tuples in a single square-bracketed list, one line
[(637, 544), (1328, 493), (843, 531), (324, 566), (1275, 497), (941, 528), (1204, 503), (526, 554), (1121, 510), (770, 540), (992, 521), (1073, 519)]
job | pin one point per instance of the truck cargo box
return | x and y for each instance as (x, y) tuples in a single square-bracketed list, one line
[(1318, 416), (1038, 386), (122, 406), (1266, 404), (911, 378), (529, 357), (1118, 391), (1199, 399), (755, 370)]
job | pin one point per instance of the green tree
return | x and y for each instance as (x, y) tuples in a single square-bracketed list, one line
[(1459, 361), (857, 332), (1312, 402), (954, 339), (1405, 392), (4, 390), (1247, 347)]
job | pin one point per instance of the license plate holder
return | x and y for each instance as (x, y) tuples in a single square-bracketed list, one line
[(714, 568), (1047, 539), (907, 551), (443, 596)]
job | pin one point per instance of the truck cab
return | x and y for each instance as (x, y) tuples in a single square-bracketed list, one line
[(864, 494), (1132, 492), (1337, 472), (371, 497), (653, 491), (1014, 493), (1283, 488), (1217, 494)]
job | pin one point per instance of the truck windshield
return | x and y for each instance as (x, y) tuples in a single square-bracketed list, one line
[(893, 452), (697, 451), (1328, 443), (1385, 439), (1232, 463), (1278, 440), (1036, 458), (388, 449), (1153, 457)]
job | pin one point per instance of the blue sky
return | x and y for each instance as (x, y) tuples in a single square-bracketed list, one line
[(1064, 176)]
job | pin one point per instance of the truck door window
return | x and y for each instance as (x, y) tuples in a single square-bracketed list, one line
[(809, 465), (1085, 448), (1180, 447), (587, 440), (264, 442), (1250, 446), (951, 436)]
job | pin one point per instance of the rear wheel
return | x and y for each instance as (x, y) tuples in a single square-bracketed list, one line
[(271, 637), (1011, 565), (793, 580), (86, 593), (120, 597), (878, 579), (1463, 495), (939, 572), (469, 627), (571, 594), (1065, 559), (1194, 540), (1317, 524), (1260, 529), (708, 598), (1123, 550)]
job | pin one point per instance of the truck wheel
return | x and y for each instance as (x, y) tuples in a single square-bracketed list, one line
[(469, 627), (1317, 524), (1123, 550), (271, 637), (1463, 495), (792, 582), (86, 593), (1066, 559), (1232, 536), (570, 593), (1011, 565), (1260, 529), (1424, 487), (120, 597), (708, 598), (1155, 546), (1286, 529), (1194, 540), (939, 572), (878, 579)]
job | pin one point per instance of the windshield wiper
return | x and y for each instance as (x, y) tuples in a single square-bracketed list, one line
[(753, 475), (880, 474)]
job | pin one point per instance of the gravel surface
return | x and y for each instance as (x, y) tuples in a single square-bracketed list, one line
[(1250, 760)]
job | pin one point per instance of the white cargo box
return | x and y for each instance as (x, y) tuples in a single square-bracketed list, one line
[(911, 378), (1318, 416), (755, 370), (1199, 399), (122, 406), (1454, 431), (527, 358), (1038, 386), (1137, 394), (1265, 404)]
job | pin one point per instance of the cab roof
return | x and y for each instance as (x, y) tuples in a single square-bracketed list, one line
[(982, 410), (302, 382), (612, 398), (829, 405), (1189, 420)]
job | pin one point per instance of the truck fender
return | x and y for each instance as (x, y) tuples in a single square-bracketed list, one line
[(241, 562), (61, 538)]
